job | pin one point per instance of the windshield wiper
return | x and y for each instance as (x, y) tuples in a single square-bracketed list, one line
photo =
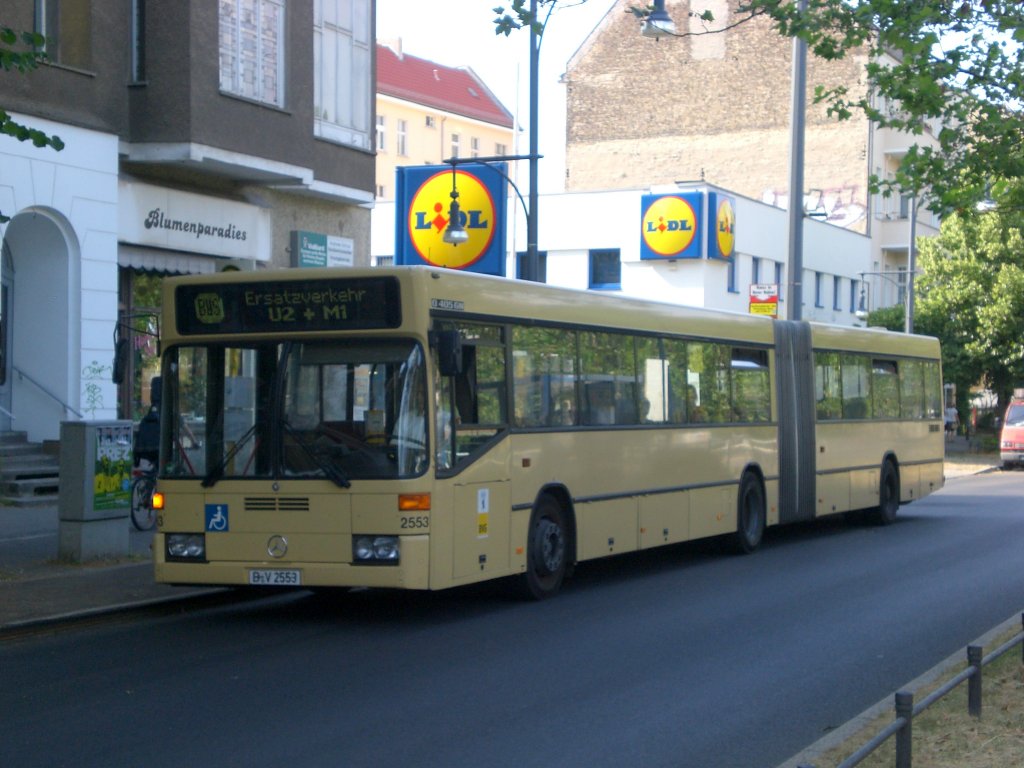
[(217, 472), (331, 470)]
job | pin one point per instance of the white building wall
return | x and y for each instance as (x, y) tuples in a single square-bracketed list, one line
[(75, 192)]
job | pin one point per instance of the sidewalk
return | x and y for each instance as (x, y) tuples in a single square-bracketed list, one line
[(35, 588)]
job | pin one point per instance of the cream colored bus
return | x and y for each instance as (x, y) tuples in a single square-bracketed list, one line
[(422, 428)]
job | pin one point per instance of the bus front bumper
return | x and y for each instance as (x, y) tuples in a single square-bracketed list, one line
[(410, 572)]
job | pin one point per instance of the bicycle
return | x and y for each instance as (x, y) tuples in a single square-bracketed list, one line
[(143, 485)]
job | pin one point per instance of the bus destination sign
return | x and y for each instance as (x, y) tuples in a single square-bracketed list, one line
[(291, 306)]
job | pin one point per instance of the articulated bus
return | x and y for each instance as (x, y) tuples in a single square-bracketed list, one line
[(424, 428)]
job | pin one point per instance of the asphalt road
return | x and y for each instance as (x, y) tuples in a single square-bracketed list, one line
[(678, 657)]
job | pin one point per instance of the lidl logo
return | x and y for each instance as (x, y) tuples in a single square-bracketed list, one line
[(725, 228), (669, 226), (428, 217)]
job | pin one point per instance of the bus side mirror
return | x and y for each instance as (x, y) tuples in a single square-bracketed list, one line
[(121, 350), (449, 352)]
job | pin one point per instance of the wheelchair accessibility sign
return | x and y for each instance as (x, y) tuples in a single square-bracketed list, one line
[(216, 517)]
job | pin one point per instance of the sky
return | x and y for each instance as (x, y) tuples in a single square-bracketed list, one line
[(461, 33)]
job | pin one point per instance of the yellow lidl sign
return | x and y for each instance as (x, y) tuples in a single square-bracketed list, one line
[(669, 226), (425, 193)]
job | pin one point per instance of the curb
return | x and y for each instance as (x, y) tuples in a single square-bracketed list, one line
[(22, 626)]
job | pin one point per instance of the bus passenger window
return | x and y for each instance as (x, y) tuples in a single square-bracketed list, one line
[(856, 371), (751, 390), (827, 392), (885, 389)]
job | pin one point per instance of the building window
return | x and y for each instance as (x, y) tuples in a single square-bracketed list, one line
[(381, 190), (252, 49), (385, 261), (778, 278), (853, 296), (342, 59), (500, 149), (138, 53), (474, 147), (818, 301), (755, 270), (382, 135), (542, 265), (401, 131), (837, 284), (431, 123), (605, 270), (455, 145), (67, 27), (731, 277)]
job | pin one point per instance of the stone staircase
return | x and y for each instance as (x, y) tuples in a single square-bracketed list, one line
[(29, 472)]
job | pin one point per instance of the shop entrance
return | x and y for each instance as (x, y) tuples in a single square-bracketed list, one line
[(137, 339)]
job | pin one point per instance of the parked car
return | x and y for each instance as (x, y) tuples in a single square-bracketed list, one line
[(1011, 439)]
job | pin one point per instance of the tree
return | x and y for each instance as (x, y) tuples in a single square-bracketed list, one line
[(953, 65), (893, 318), (23, 52), (969, 294)]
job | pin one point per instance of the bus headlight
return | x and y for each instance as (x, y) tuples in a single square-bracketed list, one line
[(186, 546), (370, 550)]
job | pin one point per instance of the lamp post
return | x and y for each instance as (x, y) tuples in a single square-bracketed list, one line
[(532, 266), (798, 113)]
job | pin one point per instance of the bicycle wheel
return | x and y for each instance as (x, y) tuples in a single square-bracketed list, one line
[(143, 514)]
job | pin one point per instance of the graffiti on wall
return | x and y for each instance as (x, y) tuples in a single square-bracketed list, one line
[(840, 206)]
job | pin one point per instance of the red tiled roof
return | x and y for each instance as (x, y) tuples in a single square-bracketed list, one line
[(449, 89)]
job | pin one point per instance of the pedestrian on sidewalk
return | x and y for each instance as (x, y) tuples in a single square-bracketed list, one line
[(952, 422)]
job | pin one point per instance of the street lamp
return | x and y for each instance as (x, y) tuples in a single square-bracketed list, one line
[(455, 233), (658, 23), (864, 305)]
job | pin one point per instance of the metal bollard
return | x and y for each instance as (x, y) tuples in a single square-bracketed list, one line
[(905, 735), (974, 655)]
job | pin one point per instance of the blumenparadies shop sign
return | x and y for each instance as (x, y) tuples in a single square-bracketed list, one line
[(183, 221)]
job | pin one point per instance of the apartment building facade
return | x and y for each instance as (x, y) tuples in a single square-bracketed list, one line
[(198, 137), (427, 112)]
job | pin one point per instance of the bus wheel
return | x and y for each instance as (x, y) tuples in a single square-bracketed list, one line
[(750, 515), (888, 495), (547, 549)]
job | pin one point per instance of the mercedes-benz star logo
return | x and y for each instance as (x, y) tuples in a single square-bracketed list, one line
[(277, 546)]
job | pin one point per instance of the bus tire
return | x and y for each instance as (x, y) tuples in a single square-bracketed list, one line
[(750, 515), (547, 549), (888, 495)]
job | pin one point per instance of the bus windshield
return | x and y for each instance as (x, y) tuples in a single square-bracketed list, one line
[(337, 410)]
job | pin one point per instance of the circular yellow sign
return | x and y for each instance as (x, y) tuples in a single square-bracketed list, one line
[(428, 219), (669, 225), (725, 228)]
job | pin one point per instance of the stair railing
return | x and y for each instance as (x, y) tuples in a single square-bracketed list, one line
[(46, 392)]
